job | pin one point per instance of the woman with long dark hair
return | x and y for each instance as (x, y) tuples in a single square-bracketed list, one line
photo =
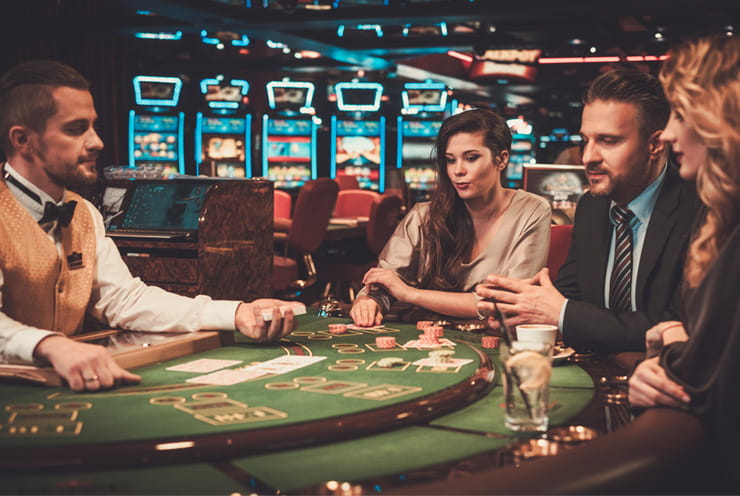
[(473, 226)]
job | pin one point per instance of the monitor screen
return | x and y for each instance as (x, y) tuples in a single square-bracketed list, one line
[(425, 99), (157, 91), (218, 93), (417, 151), (223, 148), (288, 149), (358, 96), (290, 97), (223, 125), (168, 205), (420, 178), (427, 129), (358, 150), (289, 127), (562, 185), (153, 146)]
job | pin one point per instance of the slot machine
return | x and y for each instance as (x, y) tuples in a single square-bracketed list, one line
[(289, 134), (522, 152), (155, 130), (358, 138), (223, 134), (424, 107)]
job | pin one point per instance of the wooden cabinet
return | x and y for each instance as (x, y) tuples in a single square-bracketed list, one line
[(231, 257)]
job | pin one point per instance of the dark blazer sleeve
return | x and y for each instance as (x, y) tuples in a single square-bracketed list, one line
[(587, 323)]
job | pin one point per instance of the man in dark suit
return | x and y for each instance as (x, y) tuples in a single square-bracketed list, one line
[(618, 280)]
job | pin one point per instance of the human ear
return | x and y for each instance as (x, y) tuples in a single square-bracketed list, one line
[(20, 138), (502, 159), (656, 145)]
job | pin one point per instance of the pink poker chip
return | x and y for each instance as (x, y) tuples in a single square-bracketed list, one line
[(490, 341), (423, 324), (434, 331), (337, 328), (385, 342)]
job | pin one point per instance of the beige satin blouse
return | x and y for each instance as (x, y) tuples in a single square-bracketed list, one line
[(518, 250)]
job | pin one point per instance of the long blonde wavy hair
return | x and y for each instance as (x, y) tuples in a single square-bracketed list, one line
[(702, 81)]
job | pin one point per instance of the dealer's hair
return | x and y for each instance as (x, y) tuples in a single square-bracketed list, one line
[(26, 95)]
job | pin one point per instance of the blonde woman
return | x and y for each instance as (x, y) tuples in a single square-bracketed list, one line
[(698, 366)]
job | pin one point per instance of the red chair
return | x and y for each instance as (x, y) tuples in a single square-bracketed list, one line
[(283, 205), (346, 271), (560, 238), (313, 209), (354, 203), (347, 182)]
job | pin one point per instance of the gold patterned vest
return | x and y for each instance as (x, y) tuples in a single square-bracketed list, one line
[(40, 289)]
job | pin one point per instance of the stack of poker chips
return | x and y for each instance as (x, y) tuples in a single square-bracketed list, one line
[(441, 357), (431, 335), (385, 342), (490, 341), (337, 328), (389, 362)]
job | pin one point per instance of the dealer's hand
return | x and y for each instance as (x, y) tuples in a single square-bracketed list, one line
[(523, 301), (85, 367), (650, 386), (251, 323), (365, 312)]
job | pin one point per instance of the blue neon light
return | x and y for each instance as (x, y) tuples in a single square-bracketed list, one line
[(209, 40), (272, 85), (177, 35), (341, 88), (146, 87), (439, 106), (199, 139)]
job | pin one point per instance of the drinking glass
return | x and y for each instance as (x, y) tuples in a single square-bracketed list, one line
[(527, 367)]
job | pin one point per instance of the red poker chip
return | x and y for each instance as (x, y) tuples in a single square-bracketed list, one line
[(490, 341), (423, 324), (434, 331), (385, 342), (337, 328)]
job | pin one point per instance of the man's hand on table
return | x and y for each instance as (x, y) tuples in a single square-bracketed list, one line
[(251, 322), (365, 312), (650, 386), (85, 367), (523, 301)]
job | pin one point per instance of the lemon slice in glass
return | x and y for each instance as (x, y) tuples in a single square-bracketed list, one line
[(532, 368)]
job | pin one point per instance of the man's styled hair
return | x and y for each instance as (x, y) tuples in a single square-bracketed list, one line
[(26, 95), (642, 90)]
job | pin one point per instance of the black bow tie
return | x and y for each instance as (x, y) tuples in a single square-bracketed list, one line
[(63, 214)]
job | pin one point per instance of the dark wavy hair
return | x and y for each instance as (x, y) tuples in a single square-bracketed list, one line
[(448, 230)]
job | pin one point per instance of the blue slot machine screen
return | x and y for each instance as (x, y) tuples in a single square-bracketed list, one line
[(358, 151), (420, 170), (155, 138), (289, 152), (224, 143)]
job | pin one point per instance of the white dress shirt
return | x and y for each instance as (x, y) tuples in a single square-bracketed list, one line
[(118, 298)]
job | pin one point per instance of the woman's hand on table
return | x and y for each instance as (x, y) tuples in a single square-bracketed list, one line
[(662, 334), (390, 281), (650, 386), (365, 312), (85, 367), (251, 322)]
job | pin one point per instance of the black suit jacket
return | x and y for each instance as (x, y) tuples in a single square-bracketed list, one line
[(587, 324)]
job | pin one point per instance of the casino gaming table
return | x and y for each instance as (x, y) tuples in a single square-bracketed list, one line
[(321, 408)]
